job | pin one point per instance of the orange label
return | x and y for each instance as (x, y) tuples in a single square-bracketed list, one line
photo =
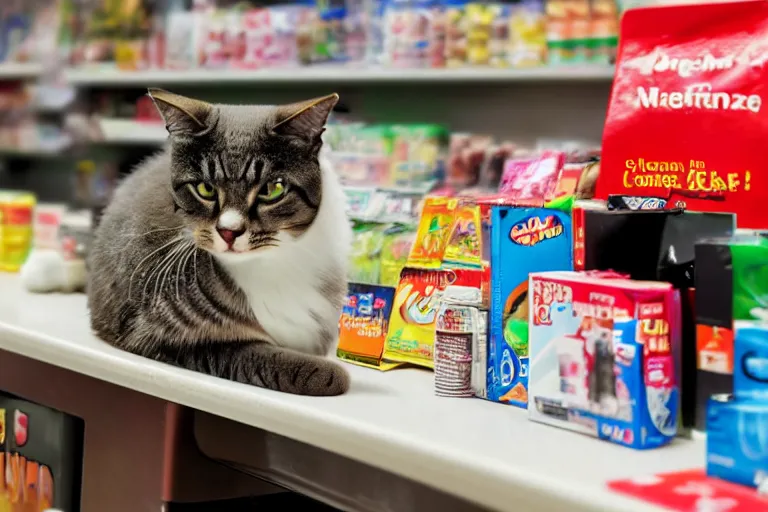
[(714, 349), (17, 215)]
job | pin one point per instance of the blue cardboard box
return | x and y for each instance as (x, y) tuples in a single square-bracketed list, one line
[(520, 241), (750, 358), (737, 440), (737, 425)]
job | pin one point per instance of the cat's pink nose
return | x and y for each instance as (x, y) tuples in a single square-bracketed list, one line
[(230, 235)]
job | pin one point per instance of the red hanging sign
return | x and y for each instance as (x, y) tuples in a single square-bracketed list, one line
[(686, 119)]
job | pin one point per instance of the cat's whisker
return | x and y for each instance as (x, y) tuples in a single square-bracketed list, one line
[(154, 275), (197, 283), (166, 268), (156, 231), (171, 266), (182, 267), (130, 280)]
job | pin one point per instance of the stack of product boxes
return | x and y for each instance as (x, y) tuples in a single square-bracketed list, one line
[(737, 419)]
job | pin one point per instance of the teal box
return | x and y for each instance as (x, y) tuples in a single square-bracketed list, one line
[(521, 241)]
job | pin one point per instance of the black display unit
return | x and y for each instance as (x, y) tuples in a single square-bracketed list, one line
[(41, 455)]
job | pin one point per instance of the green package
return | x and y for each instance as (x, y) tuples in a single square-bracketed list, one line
[(364, 262)]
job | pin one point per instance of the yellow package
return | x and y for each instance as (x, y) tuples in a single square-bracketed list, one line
[(463, 247), (15, 229), (432, 234), (411, 335)]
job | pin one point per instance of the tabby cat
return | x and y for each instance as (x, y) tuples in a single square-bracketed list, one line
[(226, 253)]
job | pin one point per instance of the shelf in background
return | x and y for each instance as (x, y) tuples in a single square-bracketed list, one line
[(32, 152), (19, 70), (132, 132), (335, 75)]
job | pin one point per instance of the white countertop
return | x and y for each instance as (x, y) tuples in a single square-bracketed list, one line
[(485, 452)]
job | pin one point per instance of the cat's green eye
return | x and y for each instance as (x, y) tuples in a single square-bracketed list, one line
[(205, 190), (272, 191)]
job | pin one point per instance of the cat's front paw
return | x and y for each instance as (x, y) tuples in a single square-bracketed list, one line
[(326, 379)]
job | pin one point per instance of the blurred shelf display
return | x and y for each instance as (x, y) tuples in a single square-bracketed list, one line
[(214, 41), (335, 75), (130, 131), (30, 152), (20, 70)]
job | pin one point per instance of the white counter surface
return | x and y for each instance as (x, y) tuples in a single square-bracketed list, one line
[(487, 453)]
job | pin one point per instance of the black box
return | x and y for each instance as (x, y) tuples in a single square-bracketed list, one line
[(655, 245)]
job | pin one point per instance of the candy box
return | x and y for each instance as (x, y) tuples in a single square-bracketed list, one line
[(364, 324), (521, 241), (602, 356)]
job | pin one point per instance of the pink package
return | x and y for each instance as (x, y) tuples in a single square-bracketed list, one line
[(256, 33), (533, 178), (281, 45)]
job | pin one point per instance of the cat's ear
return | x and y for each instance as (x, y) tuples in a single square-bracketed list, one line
[(182, 115), (305, 119)]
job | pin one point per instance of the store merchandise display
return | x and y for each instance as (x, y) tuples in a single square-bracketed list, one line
[(735, 361), (56, 261), (633, 335), (666, 254), (389, 33), (27, 31), (20, 127), (16, 210), (606, 290)]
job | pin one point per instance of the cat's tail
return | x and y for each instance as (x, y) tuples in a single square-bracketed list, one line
[(263, 365)]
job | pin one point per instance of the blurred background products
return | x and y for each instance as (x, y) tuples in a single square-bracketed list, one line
[(173, 34)]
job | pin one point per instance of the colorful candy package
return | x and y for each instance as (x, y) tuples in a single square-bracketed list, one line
[(433, 232), (528, 34), (364, 324), (411, 336), (533, 179), (463, 247)]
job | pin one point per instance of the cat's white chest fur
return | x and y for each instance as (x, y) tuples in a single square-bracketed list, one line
[(284, 284)]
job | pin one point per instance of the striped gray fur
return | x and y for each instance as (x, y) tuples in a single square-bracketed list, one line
[(157, 285)]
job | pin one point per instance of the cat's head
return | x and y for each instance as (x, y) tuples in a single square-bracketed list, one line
[(245, 178)]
